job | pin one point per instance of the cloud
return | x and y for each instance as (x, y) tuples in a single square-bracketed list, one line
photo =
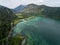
[(54, 3), (15, 3)]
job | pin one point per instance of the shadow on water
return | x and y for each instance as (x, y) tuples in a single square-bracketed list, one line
[(39, 27)]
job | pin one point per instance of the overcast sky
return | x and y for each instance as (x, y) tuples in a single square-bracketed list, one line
[(15, 3)]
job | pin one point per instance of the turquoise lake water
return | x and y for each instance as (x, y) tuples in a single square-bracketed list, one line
[(40, 30)]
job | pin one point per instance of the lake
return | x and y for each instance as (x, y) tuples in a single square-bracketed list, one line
[(40, 31)]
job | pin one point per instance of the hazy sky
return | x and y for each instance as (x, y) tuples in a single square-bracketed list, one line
[(15, 3)]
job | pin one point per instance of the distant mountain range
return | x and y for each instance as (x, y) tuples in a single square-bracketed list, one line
[(38, 10), (18, 9), (41, 10)]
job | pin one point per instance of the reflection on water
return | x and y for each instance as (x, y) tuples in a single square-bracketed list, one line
[(38, 29)]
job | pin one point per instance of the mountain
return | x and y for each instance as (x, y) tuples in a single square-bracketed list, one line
[(41, 10), (18, 9), (6, 14), (30, 8), (6, 18), (38, 10)]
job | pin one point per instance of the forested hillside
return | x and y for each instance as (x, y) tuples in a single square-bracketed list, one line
[(41, 10)]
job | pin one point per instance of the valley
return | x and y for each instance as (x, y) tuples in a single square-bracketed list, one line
[(30, 25)]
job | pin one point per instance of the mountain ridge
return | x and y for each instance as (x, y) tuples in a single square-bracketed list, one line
[(41, 10), (21, 7)]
